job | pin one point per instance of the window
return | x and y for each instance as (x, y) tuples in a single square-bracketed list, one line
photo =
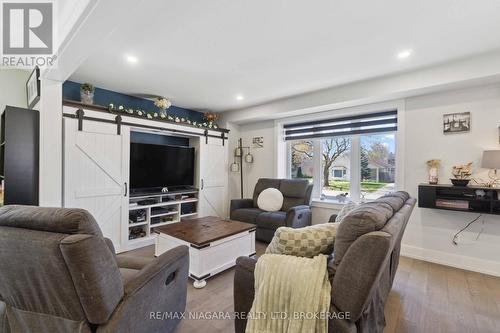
[(356, 156), (335, 164), (302, 164), (377, 164)]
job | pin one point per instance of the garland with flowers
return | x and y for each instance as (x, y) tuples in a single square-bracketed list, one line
[(209, 116)]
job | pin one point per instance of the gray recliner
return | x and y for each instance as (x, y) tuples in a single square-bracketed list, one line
[(59, 274), (361, 270), (295, 212)]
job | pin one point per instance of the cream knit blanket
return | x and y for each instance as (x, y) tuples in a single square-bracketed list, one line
[(292, 295)]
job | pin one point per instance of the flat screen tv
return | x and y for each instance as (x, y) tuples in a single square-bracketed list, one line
[(154, 167)]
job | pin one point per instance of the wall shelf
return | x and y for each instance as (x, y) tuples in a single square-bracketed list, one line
[(137, 224), (102, 108), (474, 199)]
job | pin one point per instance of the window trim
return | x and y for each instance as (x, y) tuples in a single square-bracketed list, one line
[(354, 163), (283, 147)]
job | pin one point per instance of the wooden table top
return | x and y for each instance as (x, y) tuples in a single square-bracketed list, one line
[(203, 231)]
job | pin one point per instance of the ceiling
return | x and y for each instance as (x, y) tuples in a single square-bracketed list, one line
[(203, 54)]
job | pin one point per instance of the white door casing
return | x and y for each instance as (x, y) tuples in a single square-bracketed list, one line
[(96, 173), (213, 178)]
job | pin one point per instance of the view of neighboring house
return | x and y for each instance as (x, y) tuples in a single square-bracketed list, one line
[(378, 171), (377, 164)]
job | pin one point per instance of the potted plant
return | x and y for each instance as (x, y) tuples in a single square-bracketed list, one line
[(87, 93), (462, 174)]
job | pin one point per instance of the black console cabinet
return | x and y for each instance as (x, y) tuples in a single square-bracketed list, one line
[(19, 155), (475, 199)]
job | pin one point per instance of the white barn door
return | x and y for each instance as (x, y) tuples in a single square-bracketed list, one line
[(213, 178), (96, 172)]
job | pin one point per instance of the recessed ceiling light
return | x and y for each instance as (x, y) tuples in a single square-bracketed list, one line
[(405, 54), (131, 59), (239, 97)]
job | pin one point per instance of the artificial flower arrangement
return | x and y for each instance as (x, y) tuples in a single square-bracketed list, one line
[(162, 103), (162, 116)]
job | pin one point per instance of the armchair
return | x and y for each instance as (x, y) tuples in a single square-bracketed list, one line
[(369, 241), (295, 212), (59, 274)]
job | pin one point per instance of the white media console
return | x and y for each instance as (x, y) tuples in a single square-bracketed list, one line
[(165, 208), (96, 173)]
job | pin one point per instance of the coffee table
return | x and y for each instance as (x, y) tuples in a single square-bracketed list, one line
[(214, 244)]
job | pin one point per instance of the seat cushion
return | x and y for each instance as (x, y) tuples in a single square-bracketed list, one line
[(365, 218), (248, 215), (128, 274), (271, 220)]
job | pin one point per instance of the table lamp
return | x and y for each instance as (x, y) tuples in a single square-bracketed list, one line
[(491, 160)]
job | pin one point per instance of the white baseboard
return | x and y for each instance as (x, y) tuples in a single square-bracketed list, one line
[(448, 259)]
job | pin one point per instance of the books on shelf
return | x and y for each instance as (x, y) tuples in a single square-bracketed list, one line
[(453, 204)]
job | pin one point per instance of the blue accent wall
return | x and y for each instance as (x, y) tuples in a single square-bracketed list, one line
[(158, 139), (103, 97)]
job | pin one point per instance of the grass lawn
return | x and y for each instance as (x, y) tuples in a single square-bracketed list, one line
[(365, 186)]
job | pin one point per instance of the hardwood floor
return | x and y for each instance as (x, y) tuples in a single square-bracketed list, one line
[(425, 297)]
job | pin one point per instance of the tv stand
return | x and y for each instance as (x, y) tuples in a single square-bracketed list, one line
[(474, 199), (161, 209)]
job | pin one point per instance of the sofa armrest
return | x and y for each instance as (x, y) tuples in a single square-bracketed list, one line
[(243, 291), (298, 217), (241, 203), (159, 287), (133, 262)]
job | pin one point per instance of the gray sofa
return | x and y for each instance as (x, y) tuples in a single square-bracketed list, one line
[(295, 212), (361, 270), (58, 274)]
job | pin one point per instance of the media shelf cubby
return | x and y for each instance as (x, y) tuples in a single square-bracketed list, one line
[(159, 210), (474, 199)]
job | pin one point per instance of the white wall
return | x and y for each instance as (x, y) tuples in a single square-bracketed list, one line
[(234, 177), (429, 233), (264, 158), (13, 88), (51, 144)]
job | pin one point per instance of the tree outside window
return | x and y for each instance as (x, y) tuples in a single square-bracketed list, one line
[(378, 164), (302, 163), (335, 157), (376, 167)]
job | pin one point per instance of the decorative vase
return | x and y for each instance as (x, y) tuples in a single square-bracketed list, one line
[(163, 113), (433, 176), (87, 97)]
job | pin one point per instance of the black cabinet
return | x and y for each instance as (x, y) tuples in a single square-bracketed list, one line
[(476, 199), (19, 155)]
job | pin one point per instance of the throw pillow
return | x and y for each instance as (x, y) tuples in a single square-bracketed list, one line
[(350, 205), (270, 200), (304, 242)]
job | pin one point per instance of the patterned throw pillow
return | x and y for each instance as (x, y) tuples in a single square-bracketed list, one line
[(304, 242), (350, 205)]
